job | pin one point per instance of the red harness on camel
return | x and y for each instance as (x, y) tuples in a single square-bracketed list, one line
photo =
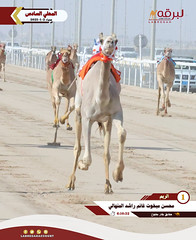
[(52, 66), (99, 57), (59, 57)]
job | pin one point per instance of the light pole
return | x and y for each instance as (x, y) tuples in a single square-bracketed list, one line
[(125, 37), (112, 16), (12, 55), (31, 30), (152, 45), (30, 39), (181, 30), (153, 32), (76, 21), (143, 15), (79, 24), (53, 27)]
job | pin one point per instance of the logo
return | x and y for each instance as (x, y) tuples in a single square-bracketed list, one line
[(36, 233), (21, 15), (167, 16)]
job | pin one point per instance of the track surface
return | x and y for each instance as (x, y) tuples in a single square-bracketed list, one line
[(160, 155)]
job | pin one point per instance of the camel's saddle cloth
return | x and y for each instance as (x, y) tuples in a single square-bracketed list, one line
[(99, 57)]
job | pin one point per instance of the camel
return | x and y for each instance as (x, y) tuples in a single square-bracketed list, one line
[(73, 56), (61, 84), (2, 59), (75, 62), (97, 100), (165, 75), (50, 57), (153, 14)]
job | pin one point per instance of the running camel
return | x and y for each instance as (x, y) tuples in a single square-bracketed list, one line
[(2, 59), (97, 100), (51, 58), (61, 84), (165, 75)]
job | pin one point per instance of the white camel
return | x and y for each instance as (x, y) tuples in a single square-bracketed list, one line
[(97, 100)]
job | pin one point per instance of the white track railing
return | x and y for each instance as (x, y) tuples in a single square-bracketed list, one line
[(26, 57), (134, 72)]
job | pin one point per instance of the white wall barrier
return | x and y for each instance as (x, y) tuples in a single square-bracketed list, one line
[(141, 73)]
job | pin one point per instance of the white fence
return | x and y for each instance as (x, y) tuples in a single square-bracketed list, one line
[(25, 57), (134, 72)]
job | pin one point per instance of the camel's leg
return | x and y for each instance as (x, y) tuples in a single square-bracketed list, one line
[(57, 101), (62, 119), (71, 108), (68, 126), (77, 149), (158, 103), (71, 105), (118, 121), (54, 108), (3, 70), (52, 96), (168, 104), (162, 95), (107, 137), (86, 129)]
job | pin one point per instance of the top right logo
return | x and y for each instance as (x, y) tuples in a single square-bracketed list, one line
[(166, 16)]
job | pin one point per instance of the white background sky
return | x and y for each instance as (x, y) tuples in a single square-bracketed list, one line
[(97, 15)]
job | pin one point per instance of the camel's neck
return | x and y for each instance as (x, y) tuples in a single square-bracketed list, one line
[(52, 57), (104, 82), (65, 74), (2, 52), (165, 65), (73, 54)]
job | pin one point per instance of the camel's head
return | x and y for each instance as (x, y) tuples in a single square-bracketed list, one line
[(65, 55), (73, 49), (75, 46), (168, 52), (2, 46), (108, 44), (69, 48), (53, 49)]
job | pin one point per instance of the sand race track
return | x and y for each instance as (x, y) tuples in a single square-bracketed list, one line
[(160, 155)]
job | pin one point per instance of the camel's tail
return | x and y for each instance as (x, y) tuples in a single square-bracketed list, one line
[(101, 127)]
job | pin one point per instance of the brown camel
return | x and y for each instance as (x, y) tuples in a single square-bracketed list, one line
[(2, 59), (165, 75), (75, 62), (97, 100), (61, 84), (50, 58), (73, 56)]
